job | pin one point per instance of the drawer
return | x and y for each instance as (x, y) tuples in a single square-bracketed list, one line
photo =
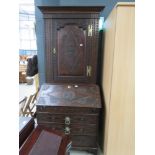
[(71, 110), (83, 130), (84, 141), (67, 118), (54, 126), (73, 129)]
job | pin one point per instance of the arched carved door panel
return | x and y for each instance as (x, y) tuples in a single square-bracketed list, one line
[(70, 57), (71, 51)]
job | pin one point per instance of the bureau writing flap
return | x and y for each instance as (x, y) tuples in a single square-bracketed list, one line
[(46, 144)]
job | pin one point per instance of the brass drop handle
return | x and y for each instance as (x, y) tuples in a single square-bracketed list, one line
[(67, 120), (67, 130), (54, 51)]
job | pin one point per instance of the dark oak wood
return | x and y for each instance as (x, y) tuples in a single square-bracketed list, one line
[(75, 129), (75, 118), (62, 110), (71, 56), (41, 138), (80, 103), (74, 9), (81, 95), (26, 126), (69, 50)]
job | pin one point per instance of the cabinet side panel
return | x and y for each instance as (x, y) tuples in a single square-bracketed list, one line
[(48, 67), (109, 35), (121, 121)]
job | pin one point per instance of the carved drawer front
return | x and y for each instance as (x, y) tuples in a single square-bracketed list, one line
[(68, 118), (70, 110), (84, 141), (77, 140), (83, 130), (54, 126), (72, 129)]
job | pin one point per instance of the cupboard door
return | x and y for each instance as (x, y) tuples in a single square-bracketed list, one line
[(73, 50), (70, 56)]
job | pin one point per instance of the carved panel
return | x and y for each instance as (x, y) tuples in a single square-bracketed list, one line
[(71, 51)]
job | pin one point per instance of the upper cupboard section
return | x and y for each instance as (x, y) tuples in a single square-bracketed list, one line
[(71, 44)]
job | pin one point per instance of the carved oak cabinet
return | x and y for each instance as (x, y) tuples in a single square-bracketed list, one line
[(72, 109), (71, 101), (71, 43)]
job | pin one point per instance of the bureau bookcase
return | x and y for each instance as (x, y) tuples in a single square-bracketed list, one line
[(70, 100)]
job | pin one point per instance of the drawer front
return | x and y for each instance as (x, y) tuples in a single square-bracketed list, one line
[(54, 126), (83, 130), (67, 118), (73, 129), (70, 110), (84, 141)]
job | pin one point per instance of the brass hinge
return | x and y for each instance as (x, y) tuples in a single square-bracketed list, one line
[(89, 70), (54, 51), (90, 30)]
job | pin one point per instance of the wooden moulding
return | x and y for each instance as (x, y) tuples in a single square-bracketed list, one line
[(65, 9), (25, 130)]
